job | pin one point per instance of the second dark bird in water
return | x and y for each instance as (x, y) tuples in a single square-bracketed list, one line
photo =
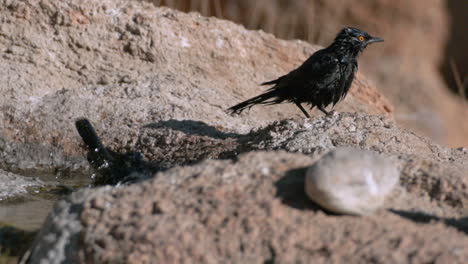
[(113, 168), (323, 79)]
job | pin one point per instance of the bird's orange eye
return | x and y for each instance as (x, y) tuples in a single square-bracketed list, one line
[(361, 38)]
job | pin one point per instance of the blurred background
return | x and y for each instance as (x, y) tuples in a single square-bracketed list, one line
[(422, 66)]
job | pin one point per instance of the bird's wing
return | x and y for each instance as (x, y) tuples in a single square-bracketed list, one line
[(317, 73), (320, 64)]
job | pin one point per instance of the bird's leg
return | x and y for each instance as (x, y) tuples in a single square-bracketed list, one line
[(323, 110), (302, 109)]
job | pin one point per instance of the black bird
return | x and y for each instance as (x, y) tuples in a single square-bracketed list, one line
[(113, 168), (323, 79)]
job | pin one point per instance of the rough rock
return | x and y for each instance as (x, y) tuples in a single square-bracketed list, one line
[(12, 184), (186, 142), (59, 238), (351, 181), (125, 65), (35, 158), (254, 208), (432, 171)]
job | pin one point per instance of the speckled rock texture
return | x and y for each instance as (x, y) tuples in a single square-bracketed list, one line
[(254, 208)]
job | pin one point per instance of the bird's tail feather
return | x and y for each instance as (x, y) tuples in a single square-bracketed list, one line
[(91, 139), (265, 99)]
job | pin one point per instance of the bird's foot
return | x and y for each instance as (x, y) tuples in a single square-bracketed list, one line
[(332, 113)]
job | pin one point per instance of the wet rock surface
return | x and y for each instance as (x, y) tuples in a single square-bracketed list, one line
[(36, 158), (13, 185)]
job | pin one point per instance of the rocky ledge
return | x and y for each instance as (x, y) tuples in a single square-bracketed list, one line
[(254, 208)]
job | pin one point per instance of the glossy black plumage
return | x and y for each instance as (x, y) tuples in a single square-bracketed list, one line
[(113, 168), (323, 79)]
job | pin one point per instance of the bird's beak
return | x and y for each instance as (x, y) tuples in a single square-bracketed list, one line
[(374, 39)]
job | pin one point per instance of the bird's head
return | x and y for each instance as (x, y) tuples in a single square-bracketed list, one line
[(355, 38)]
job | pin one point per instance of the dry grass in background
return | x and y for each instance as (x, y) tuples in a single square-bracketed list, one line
[(461, 83), (286, 19)]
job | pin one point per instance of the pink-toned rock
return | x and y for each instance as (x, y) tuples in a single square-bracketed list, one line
[(254, 208)]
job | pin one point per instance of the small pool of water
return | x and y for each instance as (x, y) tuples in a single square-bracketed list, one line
[(28, 212), (28, 215)]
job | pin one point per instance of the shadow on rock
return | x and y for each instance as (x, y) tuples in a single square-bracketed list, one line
[(421, 217), (13, 241), (192, 127), (111, 167), (290, 189)]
